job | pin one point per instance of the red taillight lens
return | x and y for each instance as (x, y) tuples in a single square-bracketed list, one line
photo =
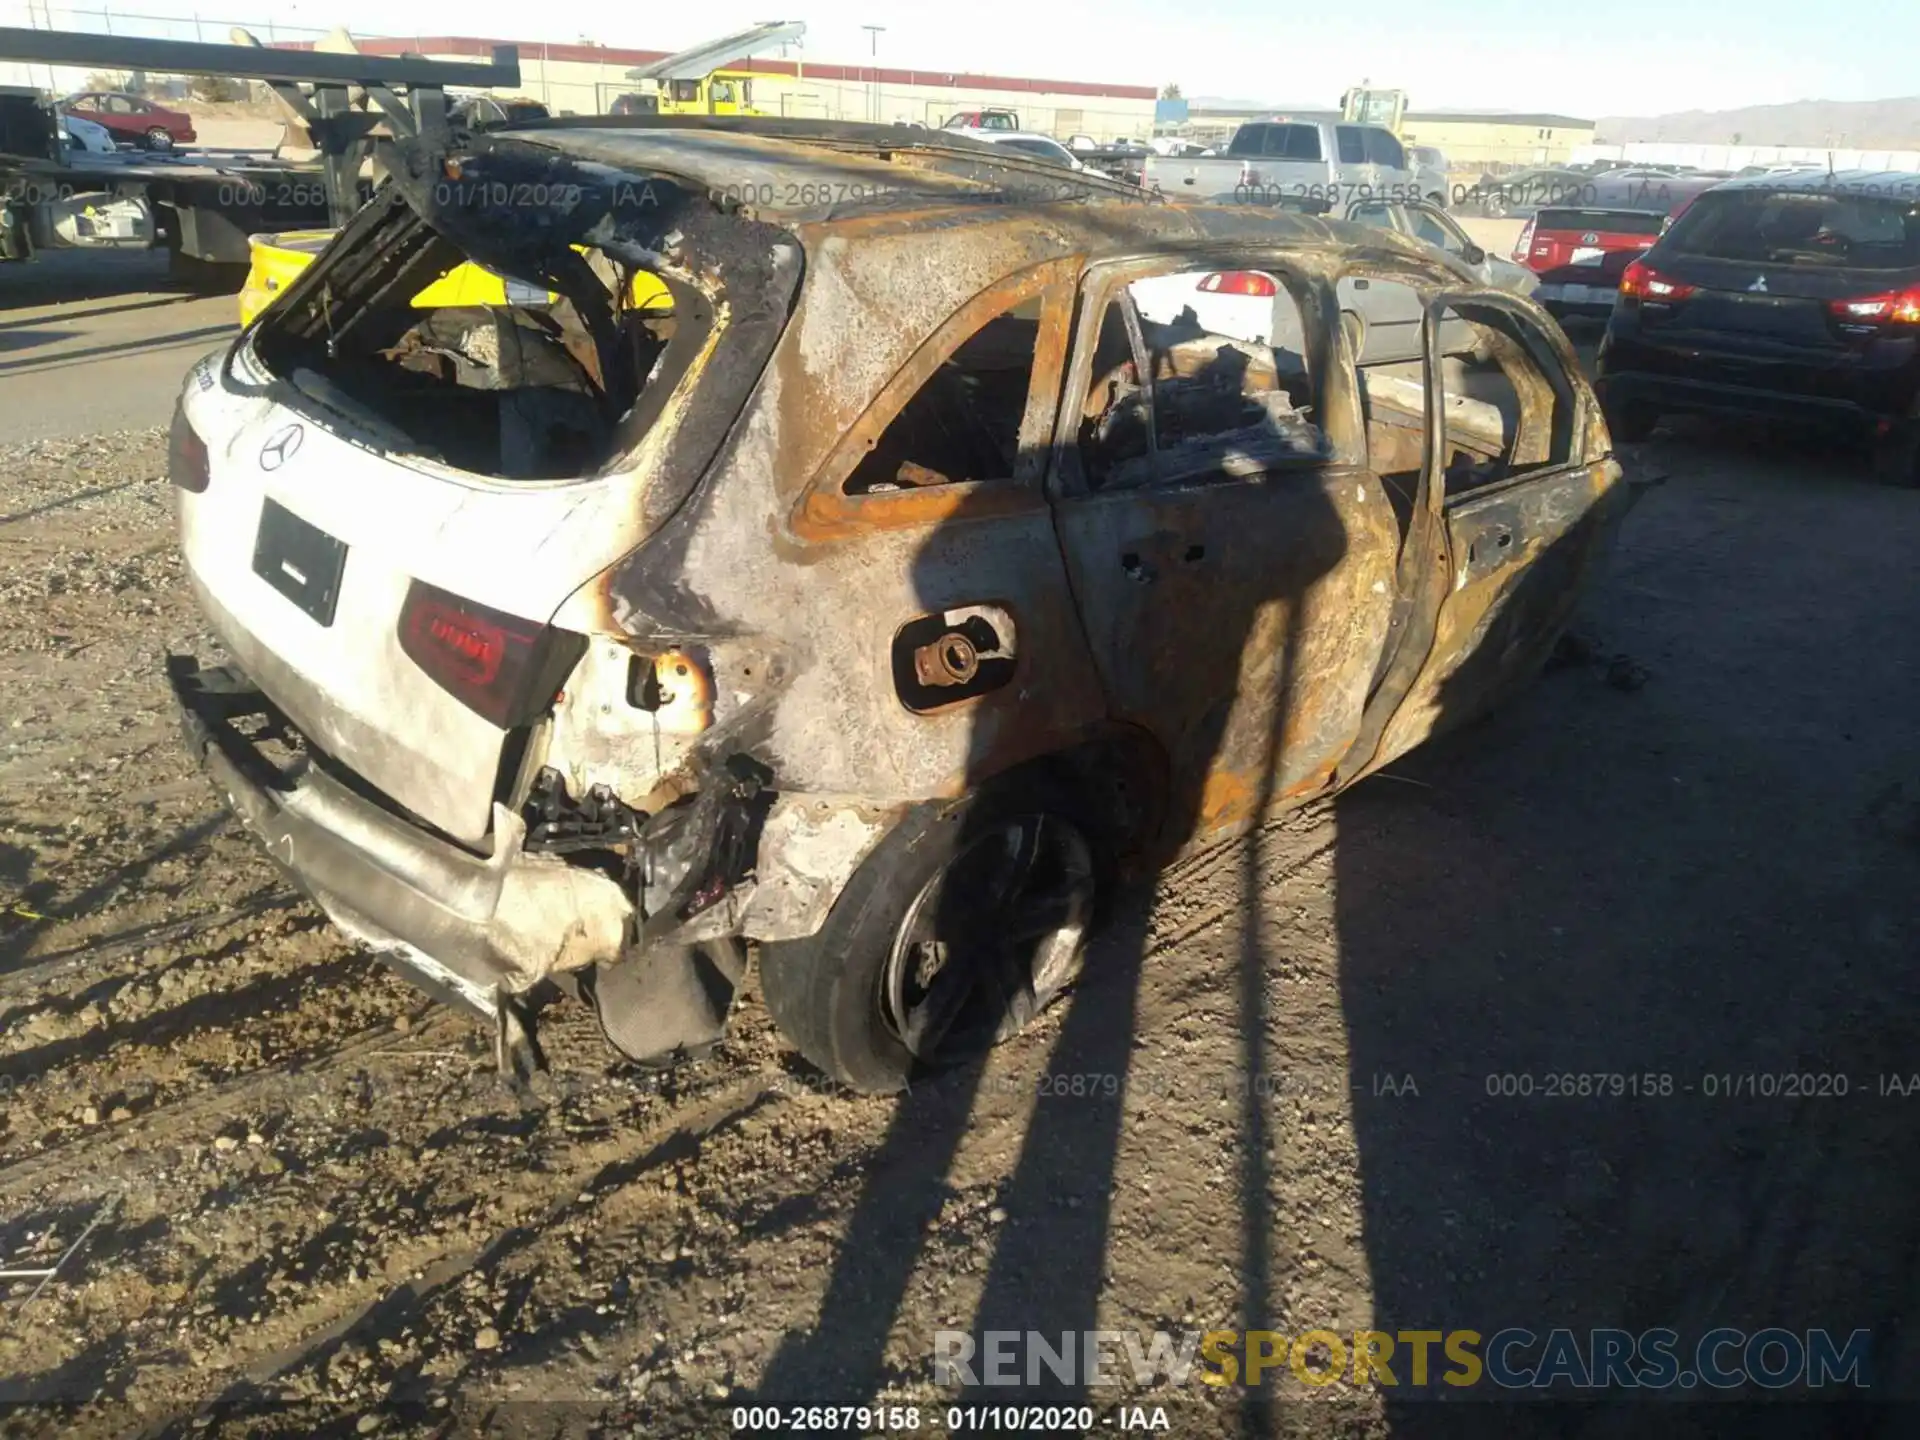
[(1891, 307), (500, 666), (1640, 281), (1238, 282), (1523, 247), (186, 454)]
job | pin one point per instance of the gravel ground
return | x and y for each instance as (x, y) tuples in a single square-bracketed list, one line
[(305, 1204)]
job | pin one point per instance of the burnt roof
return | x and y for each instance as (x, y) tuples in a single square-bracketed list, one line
[(725, 150), (795, 172)]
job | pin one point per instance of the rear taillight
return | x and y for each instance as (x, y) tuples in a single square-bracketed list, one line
[(1640, 281), (186, 454), (1238, 282), (500, 666), (1890, 307), (1523, 247)]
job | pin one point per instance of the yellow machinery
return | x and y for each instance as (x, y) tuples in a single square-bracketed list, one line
[(706, 80), (723, 92), (1386, 108), (278, 259)]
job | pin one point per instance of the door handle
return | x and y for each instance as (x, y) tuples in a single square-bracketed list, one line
[(1360, 285)]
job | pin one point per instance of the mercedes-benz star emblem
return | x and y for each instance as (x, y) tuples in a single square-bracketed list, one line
[(281, 446)]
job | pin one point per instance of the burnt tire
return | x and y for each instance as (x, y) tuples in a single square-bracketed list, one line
[(832, 992)]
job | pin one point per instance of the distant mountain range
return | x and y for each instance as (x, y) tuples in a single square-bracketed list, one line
[(1848, 124)]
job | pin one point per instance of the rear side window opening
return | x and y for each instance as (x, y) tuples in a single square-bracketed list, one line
[(542, 365), (1801, 227)]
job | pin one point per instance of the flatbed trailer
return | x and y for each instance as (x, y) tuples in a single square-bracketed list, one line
[(203, 206), (202, 211)]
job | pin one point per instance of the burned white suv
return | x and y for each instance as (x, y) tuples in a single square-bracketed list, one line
[(820, 550)]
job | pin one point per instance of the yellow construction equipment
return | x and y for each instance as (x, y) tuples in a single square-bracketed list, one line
[(279, 259)]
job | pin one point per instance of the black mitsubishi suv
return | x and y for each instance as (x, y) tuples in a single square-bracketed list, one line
[(1790, 297)]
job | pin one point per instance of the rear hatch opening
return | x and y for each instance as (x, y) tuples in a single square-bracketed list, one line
[(515, 315), (513, 367)]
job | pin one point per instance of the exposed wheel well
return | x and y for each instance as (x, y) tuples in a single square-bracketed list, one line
[(1121, 776)]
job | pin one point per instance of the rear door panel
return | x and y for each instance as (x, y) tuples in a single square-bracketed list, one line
[(1498, 568), (1235, 617)]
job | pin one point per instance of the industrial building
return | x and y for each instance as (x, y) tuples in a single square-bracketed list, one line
[(586, 79), (1498, 140)]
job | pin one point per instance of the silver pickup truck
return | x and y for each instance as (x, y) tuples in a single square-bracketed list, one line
[(1268, 161)]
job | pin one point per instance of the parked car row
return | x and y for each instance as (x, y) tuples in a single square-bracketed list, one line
[(1581, 237)]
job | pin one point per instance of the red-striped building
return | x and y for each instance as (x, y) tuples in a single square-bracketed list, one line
[(585, 79)]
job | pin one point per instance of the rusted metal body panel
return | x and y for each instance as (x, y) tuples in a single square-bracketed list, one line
[(1276, 626), (1521, 558)]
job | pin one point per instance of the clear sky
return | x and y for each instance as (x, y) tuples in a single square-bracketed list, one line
[(1626, 57)]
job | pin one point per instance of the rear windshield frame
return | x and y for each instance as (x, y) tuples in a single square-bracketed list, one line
[(733, 313), (1697, 234)]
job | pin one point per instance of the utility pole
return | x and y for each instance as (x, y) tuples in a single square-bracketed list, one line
[(873, 96)]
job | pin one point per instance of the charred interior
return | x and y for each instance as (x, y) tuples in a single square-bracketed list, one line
[(964, 423), (497, 338)]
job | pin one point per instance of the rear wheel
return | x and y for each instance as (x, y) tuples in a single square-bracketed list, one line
[(960, 928), (157, 138)]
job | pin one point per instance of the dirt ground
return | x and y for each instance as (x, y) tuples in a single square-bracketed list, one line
[(306, 1205)]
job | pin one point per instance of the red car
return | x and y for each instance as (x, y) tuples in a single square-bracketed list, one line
[(1580, 251), (1580, 254), (130, 118)]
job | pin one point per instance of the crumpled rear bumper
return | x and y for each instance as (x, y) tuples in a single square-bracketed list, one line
[(462, 925)]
